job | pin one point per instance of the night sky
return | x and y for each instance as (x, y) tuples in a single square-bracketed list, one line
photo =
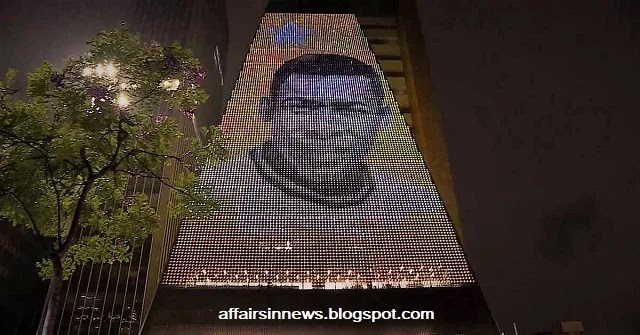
[(539, 102), (540, 108)]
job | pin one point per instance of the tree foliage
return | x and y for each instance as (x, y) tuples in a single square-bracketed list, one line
[(69, 149)]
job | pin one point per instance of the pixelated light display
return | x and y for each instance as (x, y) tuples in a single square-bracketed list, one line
[(325, 187)]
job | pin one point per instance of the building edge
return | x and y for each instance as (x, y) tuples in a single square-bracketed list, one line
[(425, 114)]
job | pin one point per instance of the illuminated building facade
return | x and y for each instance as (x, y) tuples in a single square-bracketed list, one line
[(312, 248), (326, 201)]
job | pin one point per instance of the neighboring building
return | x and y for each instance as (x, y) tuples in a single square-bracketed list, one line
[(565, 328), (102, 298), (114, 298), (289, 238), (33, 32), (21, 290), (568, 328)]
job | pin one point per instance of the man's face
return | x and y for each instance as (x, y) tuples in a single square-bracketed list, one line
[(324, 126)]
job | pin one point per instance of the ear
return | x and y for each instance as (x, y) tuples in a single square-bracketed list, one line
[(264, 109)]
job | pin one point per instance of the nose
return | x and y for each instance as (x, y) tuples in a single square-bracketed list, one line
[(326, 123)]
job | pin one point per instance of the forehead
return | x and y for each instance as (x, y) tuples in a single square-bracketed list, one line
[(334, 86)]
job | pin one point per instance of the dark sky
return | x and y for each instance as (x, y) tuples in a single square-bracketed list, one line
[(540, 106), (540, 103)]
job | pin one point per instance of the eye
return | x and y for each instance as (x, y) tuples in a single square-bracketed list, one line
[(360, 109), (293, 104), (351, 109), (300, 105)]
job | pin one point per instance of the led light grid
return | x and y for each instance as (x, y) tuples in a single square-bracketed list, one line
[(325, 187)]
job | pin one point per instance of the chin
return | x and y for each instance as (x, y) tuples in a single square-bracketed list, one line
[(323, 175), (335, 167)]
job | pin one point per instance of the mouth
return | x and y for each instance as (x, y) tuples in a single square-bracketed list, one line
[(333, 156), (343, 142), (336, 149)]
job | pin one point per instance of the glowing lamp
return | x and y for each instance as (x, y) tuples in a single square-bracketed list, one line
[(110, 70), (99, 71), (165, 84), (174, 84), (122, 101)]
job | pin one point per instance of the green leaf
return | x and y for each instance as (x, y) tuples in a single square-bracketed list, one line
[(71, 156), (9, 77)]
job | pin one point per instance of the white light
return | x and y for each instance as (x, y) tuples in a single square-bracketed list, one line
[(174, 84), (170, 85), (87, 71), (122, 101), (111, 70), (99, 70), (166, 85)]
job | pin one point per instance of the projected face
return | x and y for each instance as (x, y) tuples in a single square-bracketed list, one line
[(324, 126), (325, 187)]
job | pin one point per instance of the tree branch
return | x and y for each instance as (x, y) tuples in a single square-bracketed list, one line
[(179, 159), (121, 136), (58, 200), (45, 158), (32, 220), (162, 179), (23, 141), (74, 229), (141, 100), (7, 91), (133, 152), (85, 161), (7, 166), (140, 174)]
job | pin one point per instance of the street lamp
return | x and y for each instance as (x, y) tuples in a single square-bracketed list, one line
[(122, 100)]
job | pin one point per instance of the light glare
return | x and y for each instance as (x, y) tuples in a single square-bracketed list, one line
[(174, 84), (111, 70), (87, 71), (99, 71), (122, 101)]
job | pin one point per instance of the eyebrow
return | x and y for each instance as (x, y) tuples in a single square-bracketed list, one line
[(350, 103)]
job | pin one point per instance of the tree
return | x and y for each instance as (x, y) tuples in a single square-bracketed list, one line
[(69, 147)]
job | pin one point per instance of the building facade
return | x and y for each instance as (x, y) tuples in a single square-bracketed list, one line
[(113, 298), (326, 200), (21, 290), (183, 276)]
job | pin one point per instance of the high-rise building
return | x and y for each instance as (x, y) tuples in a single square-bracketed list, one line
[(21, 290), (565, 328), (113, 298), (372, 231), (101, 298), (329, 215)]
